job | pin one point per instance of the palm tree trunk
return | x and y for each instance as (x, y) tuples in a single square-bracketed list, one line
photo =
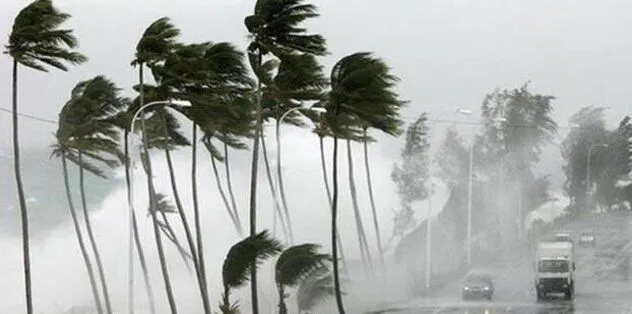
[(326, 181), (282, 306), (21, 198), (253, 194), (364, 247), (376, 224), (230, 188), (93, 243), (82, 246), (198, 224), (277, 205), (281, 186), (185, 223), (154, 204), (139, 247), (218, 182), (334, 229)]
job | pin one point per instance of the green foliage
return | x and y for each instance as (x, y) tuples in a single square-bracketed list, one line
[(316, 287), (37, 42), (410, 178), (86, 126), (250, 251), (275, 27), (163, 205), (362, 95), (156, 42), (298, 261)]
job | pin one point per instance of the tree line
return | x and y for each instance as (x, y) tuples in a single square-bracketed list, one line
[(228, 95)]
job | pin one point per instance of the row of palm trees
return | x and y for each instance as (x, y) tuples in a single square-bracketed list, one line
[(227, 108)]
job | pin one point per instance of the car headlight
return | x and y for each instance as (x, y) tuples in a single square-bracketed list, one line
[(564, 286), (486, 288), (466, 288)]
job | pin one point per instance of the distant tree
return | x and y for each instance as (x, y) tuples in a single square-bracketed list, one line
[(412, 174)]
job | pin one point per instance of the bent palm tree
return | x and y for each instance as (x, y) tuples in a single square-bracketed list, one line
[(275, 28), (294, 265), (157, 41), (361, 89), (317, 286), (36, 42), (245, 254)]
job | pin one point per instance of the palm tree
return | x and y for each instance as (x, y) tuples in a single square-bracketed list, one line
[(317, 286), (85, 130), (37, 42), (245, 254), (361, 89), (275, 28), (157, 42), (294, 265)]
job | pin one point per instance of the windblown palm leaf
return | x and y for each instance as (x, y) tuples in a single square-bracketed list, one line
[(275, 27), (296, 262), (316, 287), (361, 86), (251, 251), (156, 42), (37, 42)]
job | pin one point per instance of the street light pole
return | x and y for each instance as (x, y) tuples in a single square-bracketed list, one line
[(469, 192), (588, 167), (278, 160), (131, 196)]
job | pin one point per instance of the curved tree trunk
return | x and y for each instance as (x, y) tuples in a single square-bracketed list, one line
[(218, 182), (282, 305), (82, 246), (364, 246), (376, 223), (287, 228), (185, 223), (26, 255), (281, 185), (198, 224), (91, 239), (229, 184), (136, 239), (154, 204), (326, 181), (253, 193), (334, 229)]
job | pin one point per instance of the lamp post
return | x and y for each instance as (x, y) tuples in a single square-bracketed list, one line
[(278, 159), (131, 196), (590, 149)]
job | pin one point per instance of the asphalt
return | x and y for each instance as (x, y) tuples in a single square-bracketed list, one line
[(603, 279)]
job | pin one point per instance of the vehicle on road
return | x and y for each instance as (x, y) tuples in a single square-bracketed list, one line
[(564, 237), (587, 238), (555, 269), (478, 286)]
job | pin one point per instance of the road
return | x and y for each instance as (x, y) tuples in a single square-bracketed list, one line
[(602, 284)]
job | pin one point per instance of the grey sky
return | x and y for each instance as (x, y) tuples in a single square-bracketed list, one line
[(449, 54)]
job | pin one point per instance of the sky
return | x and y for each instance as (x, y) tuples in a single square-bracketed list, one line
[(448, 54)]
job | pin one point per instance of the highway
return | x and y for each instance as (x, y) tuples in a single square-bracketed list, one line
[(603, 282)]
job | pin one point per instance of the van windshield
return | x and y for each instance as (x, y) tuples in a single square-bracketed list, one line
[(553, 266)]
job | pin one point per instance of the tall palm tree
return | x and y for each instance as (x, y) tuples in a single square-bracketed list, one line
[(294, 265), (245, 254), (85, 130), (275, 27), (157, 42), (37, 42), (361, 89), (376, 223)]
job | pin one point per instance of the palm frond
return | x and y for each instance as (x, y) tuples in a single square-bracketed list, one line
[(37, 42), (163, 205), (156, 42), (297, 262), (316, 287), (250, 251)]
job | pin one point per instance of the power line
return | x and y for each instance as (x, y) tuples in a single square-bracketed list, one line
[(32, 117)]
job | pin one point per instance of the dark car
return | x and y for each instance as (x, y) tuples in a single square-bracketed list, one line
[(478, 286)]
